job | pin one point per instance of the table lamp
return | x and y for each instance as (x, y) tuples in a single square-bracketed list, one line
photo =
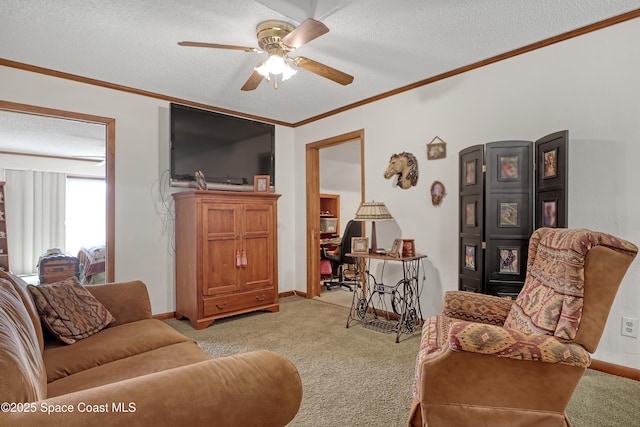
[(373, 211)]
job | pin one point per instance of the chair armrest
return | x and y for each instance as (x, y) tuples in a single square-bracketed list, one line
[(476, 307), (260, 388), (127, 301), (332, 255), (504, 342)]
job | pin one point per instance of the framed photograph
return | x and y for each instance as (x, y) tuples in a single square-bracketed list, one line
[(395, 249), (509, 168), (360, 245), (550, 164), (470, 172), (508, 214), (550, 213), (437, 150), (470, 214), (470, 257), (261, 183), (509, 259)]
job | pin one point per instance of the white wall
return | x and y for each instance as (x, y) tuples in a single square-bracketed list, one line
[(340, 173), (588, 85), (143, 224)]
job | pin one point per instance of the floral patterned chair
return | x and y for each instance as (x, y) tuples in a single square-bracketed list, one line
[(490, 361)]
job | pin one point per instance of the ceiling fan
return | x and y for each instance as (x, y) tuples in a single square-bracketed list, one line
[(278, 39)]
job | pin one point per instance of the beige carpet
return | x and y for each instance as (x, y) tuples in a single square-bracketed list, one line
[(338, 296), (360, 377)]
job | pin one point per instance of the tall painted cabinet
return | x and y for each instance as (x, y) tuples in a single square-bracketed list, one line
[(226, 254)]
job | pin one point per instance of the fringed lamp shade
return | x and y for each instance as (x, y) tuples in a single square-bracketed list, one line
[(373, 211)]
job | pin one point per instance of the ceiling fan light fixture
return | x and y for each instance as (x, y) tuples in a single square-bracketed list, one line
[(288, 71), (275, 64), (262, 70)]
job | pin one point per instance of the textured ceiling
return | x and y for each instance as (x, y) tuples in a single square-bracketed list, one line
[(384, 44), (48, 136)]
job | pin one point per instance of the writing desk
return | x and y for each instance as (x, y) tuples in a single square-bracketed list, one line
[(372, 299)]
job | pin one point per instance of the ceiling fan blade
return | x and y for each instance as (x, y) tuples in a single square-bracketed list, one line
[(304, 33), (253, 81), (219, 46), (323, 70)]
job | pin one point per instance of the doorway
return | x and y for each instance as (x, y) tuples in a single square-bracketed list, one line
[(109, 124), (313, 201)]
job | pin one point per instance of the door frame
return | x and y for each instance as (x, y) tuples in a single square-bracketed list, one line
[(313, 201), (110, 166)]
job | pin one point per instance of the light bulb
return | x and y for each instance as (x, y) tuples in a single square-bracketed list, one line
[(275, 64)]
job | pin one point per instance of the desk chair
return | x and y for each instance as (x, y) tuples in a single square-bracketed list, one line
[(339, 258)]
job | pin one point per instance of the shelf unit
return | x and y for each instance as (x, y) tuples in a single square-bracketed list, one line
[(4, 245), (330, 208)]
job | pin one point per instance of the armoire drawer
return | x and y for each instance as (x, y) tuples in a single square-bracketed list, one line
[(237, 301)]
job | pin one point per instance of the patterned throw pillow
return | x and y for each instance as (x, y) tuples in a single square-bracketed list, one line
[(69, 311)]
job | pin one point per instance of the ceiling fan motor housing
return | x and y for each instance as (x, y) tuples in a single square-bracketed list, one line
[(271, 33)]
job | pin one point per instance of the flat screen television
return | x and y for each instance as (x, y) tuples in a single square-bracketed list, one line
[(228, 150)]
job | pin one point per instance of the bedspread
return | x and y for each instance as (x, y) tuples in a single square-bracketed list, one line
[(92, 260)]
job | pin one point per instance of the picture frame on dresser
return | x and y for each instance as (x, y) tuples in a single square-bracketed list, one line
[(261, 183)]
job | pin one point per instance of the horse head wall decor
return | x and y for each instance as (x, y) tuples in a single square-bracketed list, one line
[(405, 167)]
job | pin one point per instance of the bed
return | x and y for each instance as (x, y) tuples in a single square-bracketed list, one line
[(92, 264)]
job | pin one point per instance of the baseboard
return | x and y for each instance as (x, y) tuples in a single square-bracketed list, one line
[(165, 316), (292, 293), (613, 369)]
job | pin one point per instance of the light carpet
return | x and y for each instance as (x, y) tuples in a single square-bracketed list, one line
[(360, 377)]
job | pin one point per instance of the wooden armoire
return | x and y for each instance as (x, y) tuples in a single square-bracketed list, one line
[(226, 254), (508, 189)]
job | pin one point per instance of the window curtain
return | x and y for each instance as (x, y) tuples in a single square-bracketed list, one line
[(35, 205)]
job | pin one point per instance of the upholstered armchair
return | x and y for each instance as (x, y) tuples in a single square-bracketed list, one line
[(490, 361)]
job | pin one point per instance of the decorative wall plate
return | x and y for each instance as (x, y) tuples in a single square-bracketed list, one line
[(437, 193)]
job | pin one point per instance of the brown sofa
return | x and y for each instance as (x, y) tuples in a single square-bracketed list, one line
[(490, 361), (137, 371)]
